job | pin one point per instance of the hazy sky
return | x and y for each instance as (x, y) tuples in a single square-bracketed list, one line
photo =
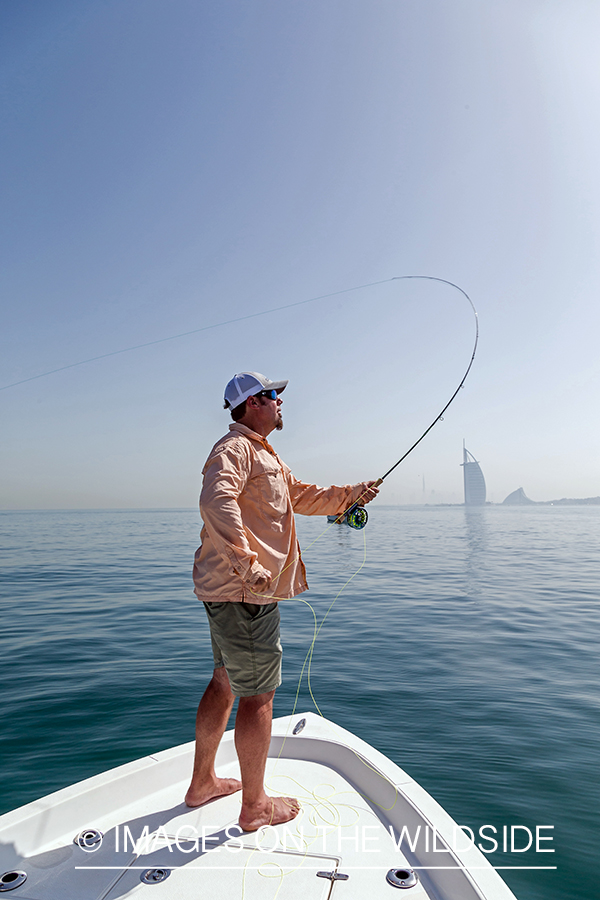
[(172, 164)]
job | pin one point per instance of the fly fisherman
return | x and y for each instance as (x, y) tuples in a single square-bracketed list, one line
[(250, 559)]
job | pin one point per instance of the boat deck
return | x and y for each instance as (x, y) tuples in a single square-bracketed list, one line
[(355, 803)]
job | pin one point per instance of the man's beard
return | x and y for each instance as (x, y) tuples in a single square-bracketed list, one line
[(279, 425)]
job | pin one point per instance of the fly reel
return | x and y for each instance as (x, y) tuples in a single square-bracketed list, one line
[(357, 517)]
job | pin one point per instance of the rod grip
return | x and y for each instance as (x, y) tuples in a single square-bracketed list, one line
[(378, 482)]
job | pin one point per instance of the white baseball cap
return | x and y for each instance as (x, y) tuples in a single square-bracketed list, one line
[(247, 384)]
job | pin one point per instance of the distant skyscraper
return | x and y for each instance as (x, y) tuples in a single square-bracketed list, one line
[(474, 480)]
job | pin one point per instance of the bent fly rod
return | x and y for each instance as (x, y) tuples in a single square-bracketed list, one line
[(356, 515)]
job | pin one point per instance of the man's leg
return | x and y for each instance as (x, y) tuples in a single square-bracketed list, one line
[(252, 739), (249, 635), (211, 722)]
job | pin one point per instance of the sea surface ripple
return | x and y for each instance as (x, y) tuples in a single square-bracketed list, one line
[(466, 649)]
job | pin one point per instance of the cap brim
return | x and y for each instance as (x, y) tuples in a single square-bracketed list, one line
[(278, 386)]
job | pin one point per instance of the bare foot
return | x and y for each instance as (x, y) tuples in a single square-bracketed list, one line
[(272, 811), (216, 787)]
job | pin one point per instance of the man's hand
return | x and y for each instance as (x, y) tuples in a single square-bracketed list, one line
[(369, 494), (260, 581)]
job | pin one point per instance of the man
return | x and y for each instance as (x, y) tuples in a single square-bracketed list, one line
[(248, 561)]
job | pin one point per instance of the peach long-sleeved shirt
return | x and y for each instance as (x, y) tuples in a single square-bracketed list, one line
[(247, 504)]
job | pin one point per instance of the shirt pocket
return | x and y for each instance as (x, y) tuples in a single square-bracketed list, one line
[(273, 490)]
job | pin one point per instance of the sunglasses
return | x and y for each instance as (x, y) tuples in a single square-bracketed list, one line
[(271, 395)]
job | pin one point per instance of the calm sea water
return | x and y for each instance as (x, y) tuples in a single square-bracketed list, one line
[(466, 649)]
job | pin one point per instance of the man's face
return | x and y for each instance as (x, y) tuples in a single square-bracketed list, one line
[(274, 409), (264, 414), (279, 424)]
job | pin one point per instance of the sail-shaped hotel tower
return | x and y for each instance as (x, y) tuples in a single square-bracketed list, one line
[(474, 480)]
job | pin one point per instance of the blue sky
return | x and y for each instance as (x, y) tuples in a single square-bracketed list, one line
[(171, 165)]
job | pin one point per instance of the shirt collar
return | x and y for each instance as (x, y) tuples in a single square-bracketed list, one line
[(253, 435)]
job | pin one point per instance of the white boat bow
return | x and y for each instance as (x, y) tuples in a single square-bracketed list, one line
[(366, 831)]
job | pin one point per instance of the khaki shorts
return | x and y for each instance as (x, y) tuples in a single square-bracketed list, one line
[(245, 639)]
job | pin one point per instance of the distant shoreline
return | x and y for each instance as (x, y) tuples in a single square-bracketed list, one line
[(564, 501)]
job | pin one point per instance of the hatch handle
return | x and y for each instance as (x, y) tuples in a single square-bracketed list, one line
[(333, 876)]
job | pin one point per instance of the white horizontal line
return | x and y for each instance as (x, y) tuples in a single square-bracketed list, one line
[(350, 868)]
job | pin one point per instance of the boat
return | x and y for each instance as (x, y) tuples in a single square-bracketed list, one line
[(365, 831)]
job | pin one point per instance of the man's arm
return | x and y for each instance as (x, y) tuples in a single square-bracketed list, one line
[(312, 500)]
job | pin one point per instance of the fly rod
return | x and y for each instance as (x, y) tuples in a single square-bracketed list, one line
[(356, 515)]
